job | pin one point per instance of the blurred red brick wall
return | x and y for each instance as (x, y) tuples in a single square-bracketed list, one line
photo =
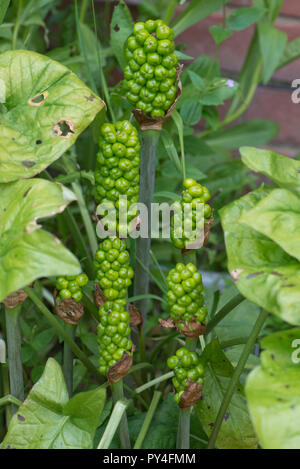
[(272, 101)]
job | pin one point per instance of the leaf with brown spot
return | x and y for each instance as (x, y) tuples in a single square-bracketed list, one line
[(37, 102)]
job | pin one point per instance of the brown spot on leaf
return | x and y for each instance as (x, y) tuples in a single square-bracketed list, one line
[(277, 273), (21, 418), (39, 99), (254, 275), (28, 164), (63, 128), (116, 28), (90, 98), (38, 141), (226, 416), (235, 274)]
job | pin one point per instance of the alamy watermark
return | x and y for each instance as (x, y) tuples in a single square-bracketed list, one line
[(179, 221)]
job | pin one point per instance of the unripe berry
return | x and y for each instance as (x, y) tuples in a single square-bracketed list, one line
[(151, 58)]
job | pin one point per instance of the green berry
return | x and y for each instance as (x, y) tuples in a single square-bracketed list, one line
[(151, 61), (117, 171), (187, 366)]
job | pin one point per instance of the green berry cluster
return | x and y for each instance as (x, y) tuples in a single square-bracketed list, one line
[(71, 287), (113, 334), (113, 272), (118, 171), (187, 366), (186, 222), (185, 298), (150, 75)]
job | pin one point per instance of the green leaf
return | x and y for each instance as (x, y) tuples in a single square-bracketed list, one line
[(243, 134), (244, 17), (291, 52), (219, 34), (47, 420), (272, 391), (272, 45), (36, 128), (26, 251), (120, 28), (191, 112), (278, 217), (220, 90), (170, 149), (274, 7), (281, 169), (196, 11), (236, 431), (3, 9), (264, 273)]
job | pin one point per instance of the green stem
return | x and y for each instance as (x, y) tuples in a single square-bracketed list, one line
[(5, 390), (14, 343), (236, 376), (9, 399), (61, 331), (154, 382), (101, 69), (17, 25), (90, 230), (222, 313), (143, 245), (83, 9), (183, 434), (113, 424), (117, 395), (68, 360), (172, 4), (148, 420)]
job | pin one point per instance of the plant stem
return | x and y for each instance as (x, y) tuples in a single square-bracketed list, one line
[(14, 342), (61, 331), (183, 434), (68, 360), (222, 313), (117, 395), (17, 25), (236, 376), (100, 67), (83, 9), (113, 424), (9, 399), (143, 245), (170, 11), (148, 419), (153, 382)]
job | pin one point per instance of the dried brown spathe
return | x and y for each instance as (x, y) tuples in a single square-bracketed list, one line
[(191, 329), (99, 296), (155, 123), (15, 299), (68, 309), (136, 318), (121, 368), (191, 395)]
